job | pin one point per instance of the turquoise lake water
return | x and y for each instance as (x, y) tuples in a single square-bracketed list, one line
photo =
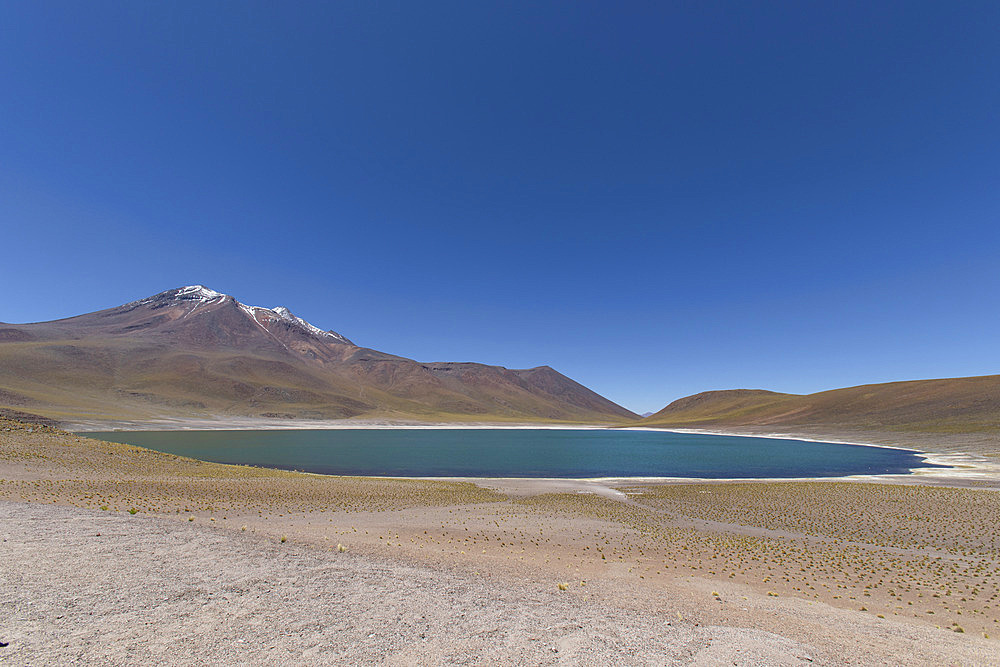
[(524, 453)]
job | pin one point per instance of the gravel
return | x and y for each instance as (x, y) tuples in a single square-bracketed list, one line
[(83, 586)]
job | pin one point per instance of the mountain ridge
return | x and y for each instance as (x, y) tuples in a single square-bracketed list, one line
[(195, 350)]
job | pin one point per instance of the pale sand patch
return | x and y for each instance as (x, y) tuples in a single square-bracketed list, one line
[(89, 587)]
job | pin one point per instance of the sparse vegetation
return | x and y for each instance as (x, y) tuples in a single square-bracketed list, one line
[(913, 552)]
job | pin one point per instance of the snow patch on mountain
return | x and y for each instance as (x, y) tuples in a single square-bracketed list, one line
[(251, 311), (287, 316), (258, 313), (199, 292), (191, 293)]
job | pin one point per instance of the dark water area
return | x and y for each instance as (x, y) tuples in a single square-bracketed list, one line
[(562, 453)]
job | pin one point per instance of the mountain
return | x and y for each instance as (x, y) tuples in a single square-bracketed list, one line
[(953, 405), (195, 352)]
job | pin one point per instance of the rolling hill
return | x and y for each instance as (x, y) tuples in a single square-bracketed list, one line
[(194, 352), (945, 406)]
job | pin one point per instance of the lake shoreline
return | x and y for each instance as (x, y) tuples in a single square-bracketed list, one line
[(972, 456), (968, 458), (606, 456), (962, 467), (261, 424)]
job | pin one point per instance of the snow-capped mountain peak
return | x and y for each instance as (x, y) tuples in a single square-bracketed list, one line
[(194, 297)]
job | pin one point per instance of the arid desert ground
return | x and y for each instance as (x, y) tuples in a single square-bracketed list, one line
[(113, 554)]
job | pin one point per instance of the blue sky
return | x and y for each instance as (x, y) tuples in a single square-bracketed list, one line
[(653, 198)]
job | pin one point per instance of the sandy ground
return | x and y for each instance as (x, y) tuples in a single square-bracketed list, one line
[(91, 587), (200, 562)]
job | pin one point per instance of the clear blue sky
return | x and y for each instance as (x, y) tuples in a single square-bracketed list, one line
[(653, 198)]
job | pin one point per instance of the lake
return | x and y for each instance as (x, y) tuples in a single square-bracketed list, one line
[(563, 453)]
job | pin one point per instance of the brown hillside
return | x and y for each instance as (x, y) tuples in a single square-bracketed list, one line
[(953, 405), (192, 352)]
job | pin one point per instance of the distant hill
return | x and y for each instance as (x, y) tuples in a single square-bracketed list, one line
[(954, 405), (194, 352)]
